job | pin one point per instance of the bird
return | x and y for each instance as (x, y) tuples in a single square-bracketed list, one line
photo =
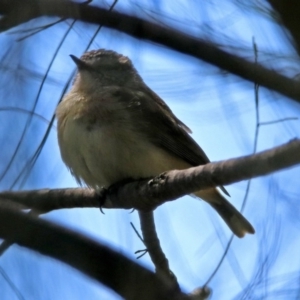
[(113, 127)]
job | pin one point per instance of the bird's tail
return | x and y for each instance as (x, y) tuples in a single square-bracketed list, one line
[(238, 224)]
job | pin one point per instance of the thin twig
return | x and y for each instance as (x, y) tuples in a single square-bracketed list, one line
[(143, 29), (143, 251), (31, 162), (278, 121), (256, 98), (11, 284)]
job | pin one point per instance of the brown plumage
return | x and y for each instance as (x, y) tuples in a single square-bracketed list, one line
[(112, 126)]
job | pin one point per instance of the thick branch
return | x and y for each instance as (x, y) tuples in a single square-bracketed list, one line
[(146, 195), (142, 29), (112, 269)]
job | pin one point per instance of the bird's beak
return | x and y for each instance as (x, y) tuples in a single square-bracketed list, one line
[(79, 63)]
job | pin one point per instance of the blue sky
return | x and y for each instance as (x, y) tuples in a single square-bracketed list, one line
[(220, 110)]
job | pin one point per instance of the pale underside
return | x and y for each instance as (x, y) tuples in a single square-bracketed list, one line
[(106, 155)]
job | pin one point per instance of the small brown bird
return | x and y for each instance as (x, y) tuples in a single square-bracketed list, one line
[(112, 127)]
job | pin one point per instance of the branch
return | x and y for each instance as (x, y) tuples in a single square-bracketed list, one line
[(146, 195), (136, 27), (110, 268), (174, 184), (159, 259), (154, 249)]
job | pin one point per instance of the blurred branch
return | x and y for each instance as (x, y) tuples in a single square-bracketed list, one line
[(136, 27), (146, 195), (110, 268), (289, 12), (16, 291)]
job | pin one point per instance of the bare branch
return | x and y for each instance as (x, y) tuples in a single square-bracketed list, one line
[(146, 195), (142, 29), (174, 184), (110, 268), (155, 251)]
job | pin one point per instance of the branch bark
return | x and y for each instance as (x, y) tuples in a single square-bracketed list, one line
[(110, 268), (154, 249), (142, 29), (146, 195)]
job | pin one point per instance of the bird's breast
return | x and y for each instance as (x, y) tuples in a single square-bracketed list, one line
[(102, 143), (101, 155)]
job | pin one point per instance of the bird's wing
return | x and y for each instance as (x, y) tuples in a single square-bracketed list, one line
[(167, 131), (166, 109)]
